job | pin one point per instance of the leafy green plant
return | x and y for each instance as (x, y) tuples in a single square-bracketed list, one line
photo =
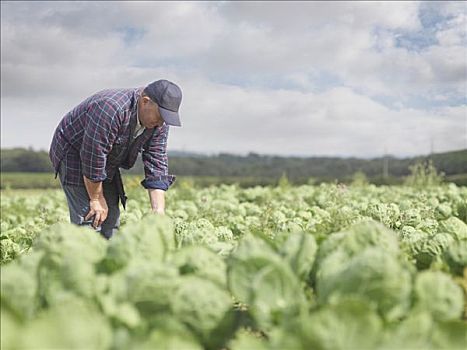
[(291, 267), (423, 174)]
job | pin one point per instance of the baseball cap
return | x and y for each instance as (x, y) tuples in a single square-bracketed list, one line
[(168, 97)]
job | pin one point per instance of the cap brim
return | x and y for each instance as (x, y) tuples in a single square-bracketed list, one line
[(170, 118)]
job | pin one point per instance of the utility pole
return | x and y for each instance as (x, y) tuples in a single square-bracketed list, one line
[(385, 164), (432, 146)]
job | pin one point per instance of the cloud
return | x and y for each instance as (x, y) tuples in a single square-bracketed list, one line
[(297, 15), (274, 77), (336, 122)]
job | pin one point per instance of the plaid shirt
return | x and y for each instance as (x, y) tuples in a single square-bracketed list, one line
[(95, 139)]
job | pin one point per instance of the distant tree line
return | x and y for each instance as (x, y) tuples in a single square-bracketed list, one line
[(254, 165), (25, 160)]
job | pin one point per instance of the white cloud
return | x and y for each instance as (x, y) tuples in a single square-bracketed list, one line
[(336, 122), (301, 15), (273, 77), (454, 32)]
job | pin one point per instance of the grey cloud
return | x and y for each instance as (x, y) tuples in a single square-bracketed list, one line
[(254, 120), (227, 56), (244, 40), (301, 15), (223, 118)]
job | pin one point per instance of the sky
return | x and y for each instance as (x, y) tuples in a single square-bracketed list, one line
[(327, 78)]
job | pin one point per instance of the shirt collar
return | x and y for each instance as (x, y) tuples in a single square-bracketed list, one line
[(138, 95), (138, 124)]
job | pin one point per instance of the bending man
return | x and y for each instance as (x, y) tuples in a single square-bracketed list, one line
[(106, 132)]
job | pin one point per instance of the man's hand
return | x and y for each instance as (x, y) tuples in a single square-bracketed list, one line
[(97, 204), (97, 208)]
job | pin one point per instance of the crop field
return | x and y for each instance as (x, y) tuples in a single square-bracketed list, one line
[(284, 267)]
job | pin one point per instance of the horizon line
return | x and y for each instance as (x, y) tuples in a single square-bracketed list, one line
[(249, 153)]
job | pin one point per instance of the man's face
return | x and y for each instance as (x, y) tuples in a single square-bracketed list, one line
[(149, 115)]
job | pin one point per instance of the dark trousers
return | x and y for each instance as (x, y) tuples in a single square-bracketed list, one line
[(78, 203)]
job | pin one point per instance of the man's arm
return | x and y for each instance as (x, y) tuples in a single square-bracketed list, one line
[(99, 135), (157, 199), (157, 180), (97, 204)]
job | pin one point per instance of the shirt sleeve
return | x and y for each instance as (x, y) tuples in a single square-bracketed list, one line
[(99, 135), (155, 161)]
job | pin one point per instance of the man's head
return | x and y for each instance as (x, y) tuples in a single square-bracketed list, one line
[(159, 104), (148, 112)]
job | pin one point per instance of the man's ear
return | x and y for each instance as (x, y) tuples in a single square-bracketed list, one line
[(147, 99)]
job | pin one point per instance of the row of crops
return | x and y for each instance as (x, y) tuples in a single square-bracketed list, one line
[(288, 267)]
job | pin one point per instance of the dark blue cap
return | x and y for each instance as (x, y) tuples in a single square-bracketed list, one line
[(168, 97)]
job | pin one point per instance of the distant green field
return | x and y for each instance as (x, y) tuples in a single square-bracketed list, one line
[(39, 180), (48, 181), (28, 180)]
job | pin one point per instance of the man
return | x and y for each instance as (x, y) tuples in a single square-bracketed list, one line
[(106, 132)]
